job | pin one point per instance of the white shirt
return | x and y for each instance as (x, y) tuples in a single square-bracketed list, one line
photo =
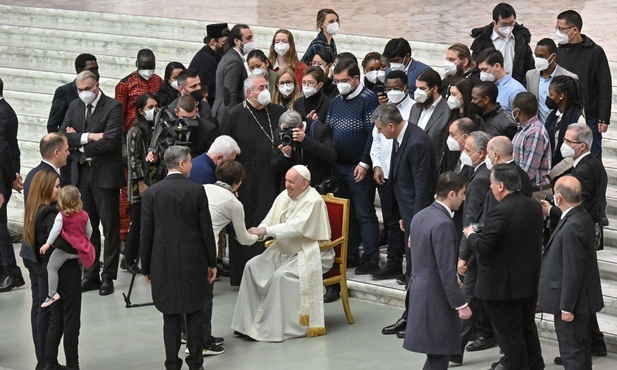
[(577, 161), (84, 137), (52, 165), (506, 46), (451, 212), (426, 114)]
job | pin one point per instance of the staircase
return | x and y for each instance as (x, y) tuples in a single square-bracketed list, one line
[(37, 52)]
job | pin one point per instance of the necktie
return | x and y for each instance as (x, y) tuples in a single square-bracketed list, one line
[(88, 115), (393, 159)]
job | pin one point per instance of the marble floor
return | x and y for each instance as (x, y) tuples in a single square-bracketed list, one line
[(443, 22)]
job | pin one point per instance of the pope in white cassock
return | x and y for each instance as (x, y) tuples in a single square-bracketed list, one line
[(281, 294)]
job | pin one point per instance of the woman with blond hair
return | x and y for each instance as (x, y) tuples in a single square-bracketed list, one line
[(283, 53), (287, 88), (328, 24)]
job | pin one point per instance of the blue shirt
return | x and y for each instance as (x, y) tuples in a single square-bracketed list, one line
[(543, 84), (203, 170), (508, 89)]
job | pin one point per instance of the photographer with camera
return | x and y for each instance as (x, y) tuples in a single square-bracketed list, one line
[(202, 136), (303, 142)]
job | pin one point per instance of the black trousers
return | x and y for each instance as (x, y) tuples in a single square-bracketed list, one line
[(595, 336), (131, 244), (195, 323), (516, 332), (65, 320), (436, 362), (479, 321), (391, 217), (39, 316), (8, 263), (574, 347), (103, 206)]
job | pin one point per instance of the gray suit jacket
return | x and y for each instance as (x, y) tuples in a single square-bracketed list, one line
[(437, 126), (533, 78), (230, 76)]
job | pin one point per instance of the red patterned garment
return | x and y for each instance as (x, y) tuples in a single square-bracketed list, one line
[(129, 89)]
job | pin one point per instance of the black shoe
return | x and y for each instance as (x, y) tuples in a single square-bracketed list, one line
[(401, 334), (218, 340), (107, 287), (388, 272), (599, 352), (456, 359), (400, 324), (133, 269), (123, 264), (15, 237), (558, 361), (481, 344), (366, 267), (400, 280), (332, 294), (90, 284), (351, 263), (9, 282)]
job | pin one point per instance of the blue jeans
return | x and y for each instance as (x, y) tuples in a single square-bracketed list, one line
[(362, 219), (596, 146)]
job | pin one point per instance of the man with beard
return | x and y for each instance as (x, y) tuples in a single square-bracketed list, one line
[(207, 59)]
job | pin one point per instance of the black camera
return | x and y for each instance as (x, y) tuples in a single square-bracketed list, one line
[(287, 135), (169, 130), (327, 185)]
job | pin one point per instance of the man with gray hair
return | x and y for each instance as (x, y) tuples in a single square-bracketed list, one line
[(224, 148), (303, 142), (173, 209), (93, 126)]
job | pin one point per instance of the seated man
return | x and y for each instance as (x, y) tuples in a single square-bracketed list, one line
[(280, 295)]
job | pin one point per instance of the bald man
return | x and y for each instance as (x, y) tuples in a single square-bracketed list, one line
[(569, 279), (281, 293)]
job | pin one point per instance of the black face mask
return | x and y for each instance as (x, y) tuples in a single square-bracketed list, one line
[(475, 108), (550, 103), (198, 96)]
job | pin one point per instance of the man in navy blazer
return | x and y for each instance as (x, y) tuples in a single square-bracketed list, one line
[(93, 125), (569, 278), (398, 53)]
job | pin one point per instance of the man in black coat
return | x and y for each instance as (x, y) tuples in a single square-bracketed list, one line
[(569, 279), (509, 257), (207, 58), (10, 274), (93, 125), (178, 256), (507, 36), (311, 145), (496, 121)]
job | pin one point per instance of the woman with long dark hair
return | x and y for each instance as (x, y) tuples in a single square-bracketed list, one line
[(168, 91)]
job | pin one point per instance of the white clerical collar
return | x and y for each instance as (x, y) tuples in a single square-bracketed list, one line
[(565, 213), (52, 165), (451, 212), (577, 161)]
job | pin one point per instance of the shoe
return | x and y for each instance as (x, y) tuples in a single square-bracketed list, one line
[(107, 287), (481, 344), (123, 264), (218, 340), (352, 263), (400, 280), (401, 334), (332, 294), (133, 269), (50, 300), (238, 334), (55, 367), (212, 350), (599, 352), (456, 359), (15, 237), (90, 284), (183, 338), (558, 361), (388, 272), (9, 282), (221, 270), (400, 324), (366, 267)]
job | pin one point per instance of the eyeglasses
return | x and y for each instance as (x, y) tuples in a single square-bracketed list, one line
[(344, 81), (571, 142), (286, 83), (309, 83), (511, 24), (561, 29)]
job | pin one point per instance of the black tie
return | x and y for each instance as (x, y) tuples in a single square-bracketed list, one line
[(88, 115), (393, 159)]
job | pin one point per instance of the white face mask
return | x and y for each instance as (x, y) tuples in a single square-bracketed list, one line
[(174, 84), (149, 114), (420, 95), (286, 89), (396, 96), (264, 97), (454, 103), (146, 73), (562, 38), (567, 151), (487, 76), (397, 66), (309, 91), (259, 72), (281, 48), (381, 76), (323, 68), (449, 68), (332, 28), (506, 31), (371, 76), (344, 88), (541, 64), (453, 144), (488, 163), (466, 159), (87, 97), (248, 47)]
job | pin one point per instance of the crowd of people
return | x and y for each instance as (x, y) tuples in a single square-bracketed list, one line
[(491, 172)]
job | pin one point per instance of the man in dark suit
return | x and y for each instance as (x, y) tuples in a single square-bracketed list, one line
[(10, 274), (473, 155), (230, 73), (176, 235), (398, 53), (208, 57), (311, 146), (431, 112), (54, 150), (591, 173), (438, 302), (202, 136), (500, 150), (413, 173), (93, 125), (509, 256), (569, 278)]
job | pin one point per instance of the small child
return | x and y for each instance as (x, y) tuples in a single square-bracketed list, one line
[(74, 225)]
